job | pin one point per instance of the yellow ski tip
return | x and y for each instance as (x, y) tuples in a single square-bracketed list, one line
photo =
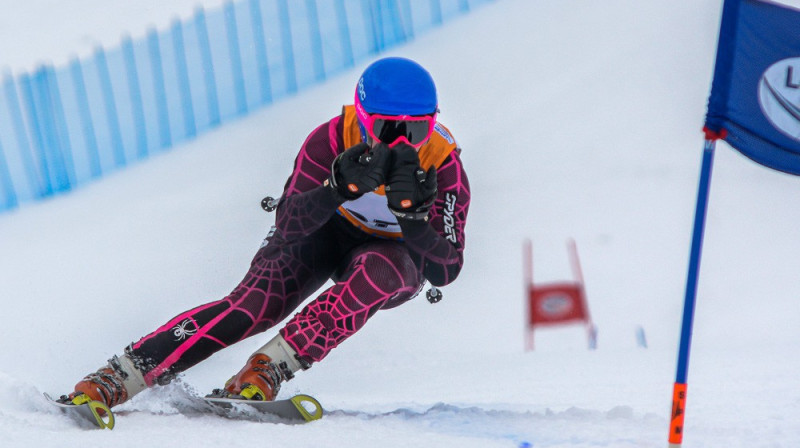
[(103, 415), (308, 407)]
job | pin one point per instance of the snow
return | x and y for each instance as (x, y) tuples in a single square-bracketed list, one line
[(578, 120)]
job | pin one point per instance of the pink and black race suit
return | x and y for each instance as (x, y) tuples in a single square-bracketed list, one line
[(375, 262)]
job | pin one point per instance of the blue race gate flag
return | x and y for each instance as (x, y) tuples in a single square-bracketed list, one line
[(755, 107), (755, 95)]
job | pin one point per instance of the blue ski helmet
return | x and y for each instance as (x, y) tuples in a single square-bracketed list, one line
[(396, 86)]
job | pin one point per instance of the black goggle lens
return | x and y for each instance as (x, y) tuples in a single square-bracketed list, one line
[(388, 131)]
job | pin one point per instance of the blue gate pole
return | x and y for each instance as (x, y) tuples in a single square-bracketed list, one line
[(679, 389)]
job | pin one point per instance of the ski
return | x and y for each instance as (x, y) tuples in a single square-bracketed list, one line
[(297, 409), (93, 414)]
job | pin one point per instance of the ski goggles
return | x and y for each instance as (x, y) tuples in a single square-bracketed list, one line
[(413, 130)]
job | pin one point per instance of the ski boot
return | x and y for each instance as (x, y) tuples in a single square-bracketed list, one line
[(261, 378), (112, 384)]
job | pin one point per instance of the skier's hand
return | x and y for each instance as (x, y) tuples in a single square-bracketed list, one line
[(359, 170), (410, 190)]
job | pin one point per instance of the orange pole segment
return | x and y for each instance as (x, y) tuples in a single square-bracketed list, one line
[(678, 412)]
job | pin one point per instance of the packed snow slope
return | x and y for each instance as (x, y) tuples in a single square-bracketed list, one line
[(578, 119)]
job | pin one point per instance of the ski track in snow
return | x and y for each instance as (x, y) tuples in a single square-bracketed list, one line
[(173, 405)]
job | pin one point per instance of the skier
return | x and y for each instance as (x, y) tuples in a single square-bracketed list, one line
[(377, 202)]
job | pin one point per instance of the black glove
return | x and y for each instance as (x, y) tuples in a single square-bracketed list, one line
[(359, 170), (410, 190)]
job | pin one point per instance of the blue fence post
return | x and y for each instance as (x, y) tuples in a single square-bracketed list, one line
[(261, 52), (208, 67), (316, 39), (52, 163), (61, 133), (8, 185), (288, 46), (397, 22), (378, 25), (436, 12), (135, 92), (372, 25), (236, 58), (46, 142), (344, 34), (160, 91), (184, 88), (5, 173), (39, 170), (408, 19), (89, 137), (21, 133), (11, 200), (111, 107)]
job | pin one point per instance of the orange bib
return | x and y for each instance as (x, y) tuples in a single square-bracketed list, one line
[(370, 212)]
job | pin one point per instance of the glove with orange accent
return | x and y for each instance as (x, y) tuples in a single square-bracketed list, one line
[(410, 190), (358, 170)]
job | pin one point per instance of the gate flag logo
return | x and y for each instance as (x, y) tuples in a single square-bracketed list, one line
[(755, 95), (779, 96)]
